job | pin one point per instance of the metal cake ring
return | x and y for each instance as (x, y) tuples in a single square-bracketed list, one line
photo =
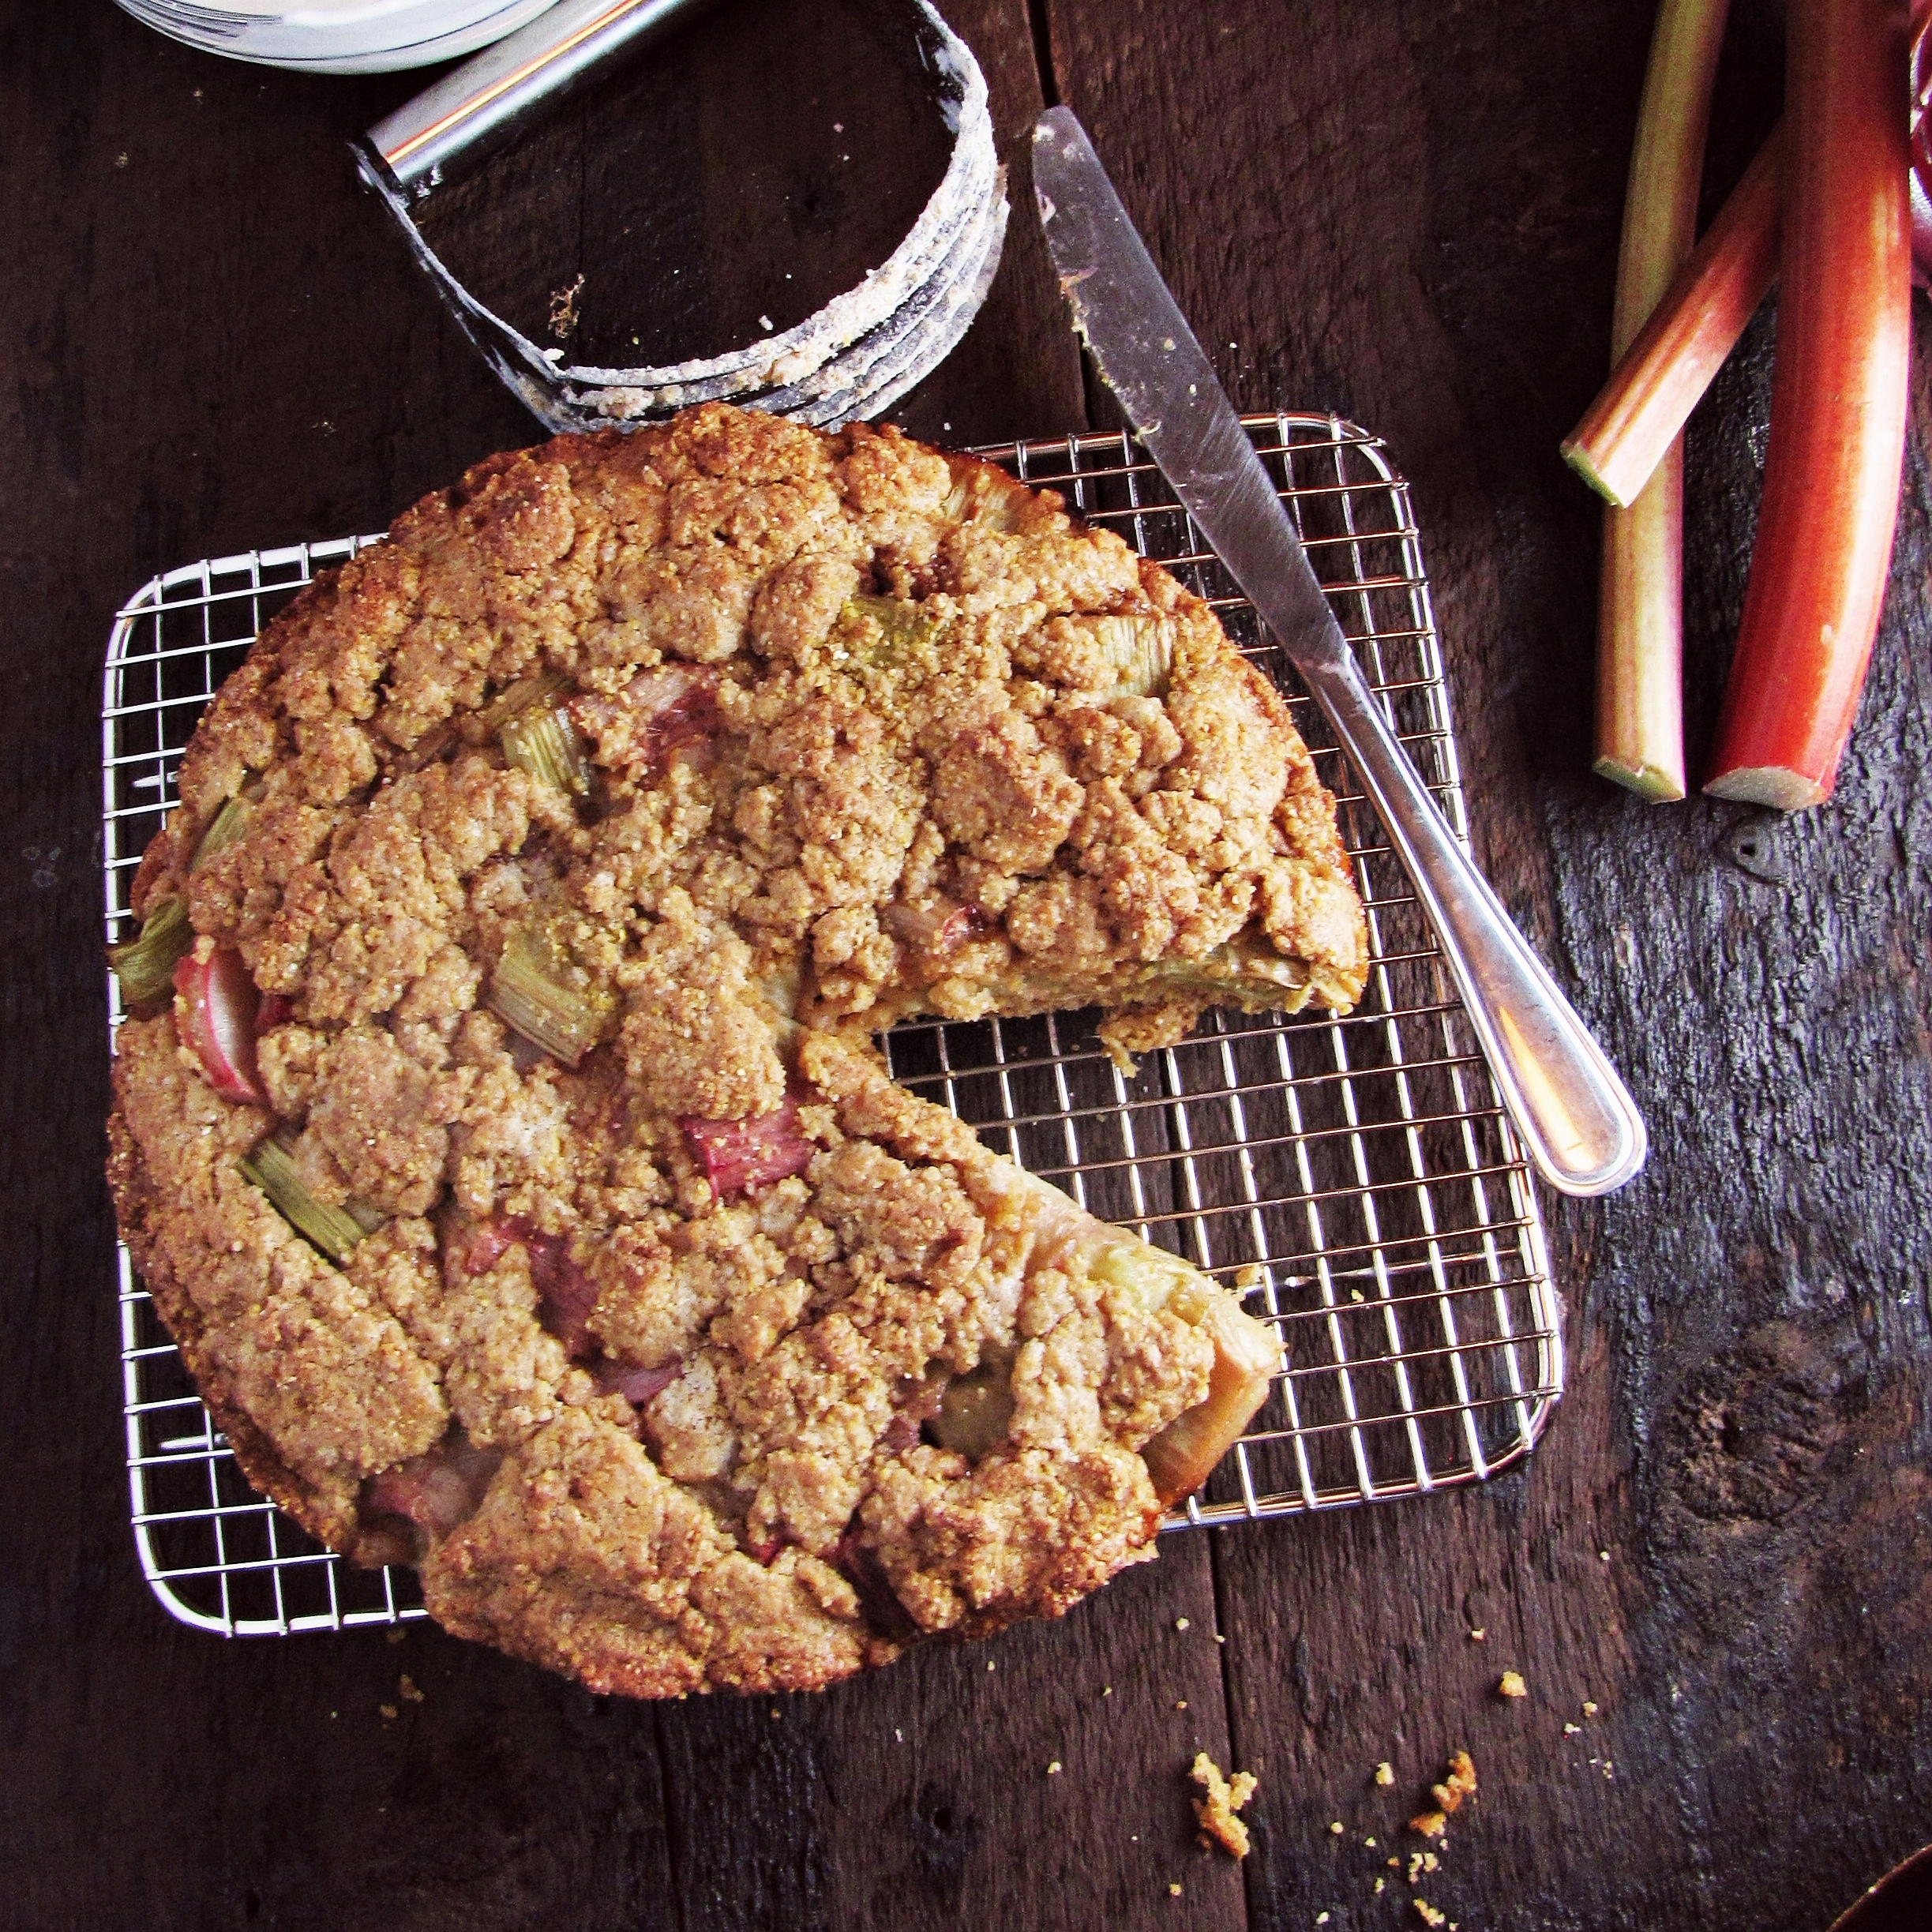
[(855, 356)]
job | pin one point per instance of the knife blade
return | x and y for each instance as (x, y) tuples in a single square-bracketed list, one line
[(1578, 1120)]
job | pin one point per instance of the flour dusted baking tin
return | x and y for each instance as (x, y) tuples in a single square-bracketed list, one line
[(1359, 1166)]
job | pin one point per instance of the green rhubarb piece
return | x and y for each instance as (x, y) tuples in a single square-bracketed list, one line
[(334, 1231), (893, 632), (227, 825), (515, 699), (543, 741), (1235, 972), (529, 992), (982, 495), (145, 966), (1142, 647)]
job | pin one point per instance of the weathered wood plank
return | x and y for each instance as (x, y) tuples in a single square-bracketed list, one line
[(1410, 215)]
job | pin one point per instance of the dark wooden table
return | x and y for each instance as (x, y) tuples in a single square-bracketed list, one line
[(1405, 210)]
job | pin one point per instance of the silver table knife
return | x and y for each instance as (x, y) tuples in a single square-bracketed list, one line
[(1581, 1127)]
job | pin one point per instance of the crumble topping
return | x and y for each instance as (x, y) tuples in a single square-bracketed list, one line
[(1222, 1798)]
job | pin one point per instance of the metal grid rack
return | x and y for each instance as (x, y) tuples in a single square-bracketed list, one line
[(1355, 1178)]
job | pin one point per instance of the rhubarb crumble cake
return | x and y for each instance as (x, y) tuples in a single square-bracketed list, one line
[(498, 1124)]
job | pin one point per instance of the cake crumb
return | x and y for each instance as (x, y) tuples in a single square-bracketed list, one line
[(1335, 1826), (1459, 1783), (1478, 1635), (1385, 1772), (1106, 1690), (1589, 1710), (388, 1711), (1430, 1915), (1380, 1884), (1321, 1919), (1369, 1842), (406, 1691), (564, 309), (1512, 1685), (1215, 1812), (1422, 1861), (1053, 1770), (1571, 1730), (1181, 1623), (1180, 1704), (1173, 1891)]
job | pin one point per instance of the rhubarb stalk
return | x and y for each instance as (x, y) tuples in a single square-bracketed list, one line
[(335, 1231), (145, 967), (1838, 404), (534, 989), (1640, 737), (1642, 409)]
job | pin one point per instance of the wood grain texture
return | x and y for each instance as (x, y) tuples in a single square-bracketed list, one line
[(1413, 219), (1403, 210)]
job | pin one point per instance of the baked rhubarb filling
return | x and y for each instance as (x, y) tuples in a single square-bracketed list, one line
[(499, 1125)]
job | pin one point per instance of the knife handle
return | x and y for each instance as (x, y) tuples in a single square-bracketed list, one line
[(493, 95), (1582, 1129)]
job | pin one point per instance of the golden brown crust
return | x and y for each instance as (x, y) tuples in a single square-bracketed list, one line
[(330, 1518), (648, 1359)]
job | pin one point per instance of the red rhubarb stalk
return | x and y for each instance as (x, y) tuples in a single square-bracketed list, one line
[(566, 1295), (216, 1017), (736, 1155), (1642, 409), (637, 1385), (1640, 736), (1666, 370), (1838, 404), (438, 1489), (669, 709)]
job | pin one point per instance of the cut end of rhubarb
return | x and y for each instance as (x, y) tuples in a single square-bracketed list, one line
[(1247, 1357), (1581, 460), (1650, 782), (1769, 785)]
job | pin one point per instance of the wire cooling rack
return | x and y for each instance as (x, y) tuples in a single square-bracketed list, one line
[(1356, 1179)]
